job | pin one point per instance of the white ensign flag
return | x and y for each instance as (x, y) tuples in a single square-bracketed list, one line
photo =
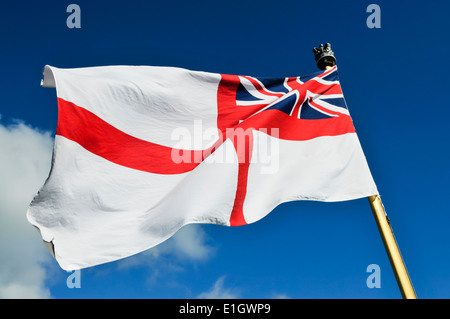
[(141, 151)]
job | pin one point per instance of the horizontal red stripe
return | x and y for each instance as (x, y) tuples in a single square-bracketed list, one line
[(292, 128), (99, 137)]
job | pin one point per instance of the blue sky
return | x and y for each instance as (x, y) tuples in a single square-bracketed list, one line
[(395, 83)]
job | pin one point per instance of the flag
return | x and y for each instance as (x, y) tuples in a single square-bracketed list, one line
[(141, 151)]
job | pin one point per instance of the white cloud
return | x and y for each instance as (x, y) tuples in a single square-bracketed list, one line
[(188, 244), (218, 291), (280, 296), (25, 157)]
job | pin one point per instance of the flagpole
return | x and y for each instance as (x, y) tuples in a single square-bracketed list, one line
[(325, 59), (390, 244)]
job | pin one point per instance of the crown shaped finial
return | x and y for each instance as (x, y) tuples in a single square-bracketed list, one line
[(324, 56)]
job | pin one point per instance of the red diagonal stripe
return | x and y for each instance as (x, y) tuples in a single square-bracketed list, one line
[(314, 87), (324, 74), (261, 89)]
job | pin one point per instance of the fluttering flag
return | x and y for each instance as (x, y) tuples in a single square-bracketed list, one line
[(142, 151)]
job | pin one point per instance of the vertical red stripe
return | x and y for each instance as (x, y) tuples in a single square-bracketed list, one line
[(243, 145)]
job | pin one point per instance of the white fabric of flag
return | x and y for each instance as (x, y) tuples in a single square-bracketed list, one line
[(142, 151)]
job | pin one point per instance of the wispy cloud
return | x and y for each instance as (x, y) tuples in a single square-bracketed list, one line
[(25, 159), (188, 244), (219, 291), (279, 296), (187, 247)]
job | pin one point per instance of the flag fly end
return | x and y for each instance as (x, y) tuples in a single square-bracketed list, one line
[(48, 80), (50, 247)]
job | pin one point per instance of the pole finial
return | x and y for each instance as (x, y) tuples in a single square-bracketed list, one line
[(324, 56)]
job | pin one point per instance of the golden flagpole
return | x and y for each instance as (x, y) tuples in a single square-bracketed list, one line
[(390, 244), (325, 59)]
